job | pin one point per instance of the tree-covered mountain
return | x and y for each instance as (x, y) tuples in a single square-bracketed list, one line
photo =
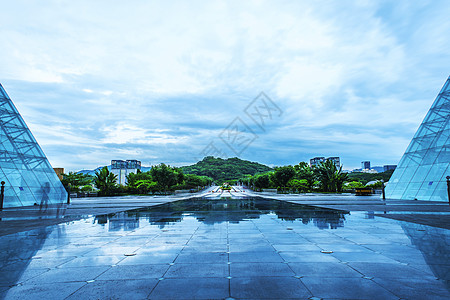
[(225, 169)]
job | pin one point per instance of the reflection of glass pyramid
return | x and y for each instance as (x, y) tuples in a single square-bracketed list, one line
[(422, 170), (28, 175)]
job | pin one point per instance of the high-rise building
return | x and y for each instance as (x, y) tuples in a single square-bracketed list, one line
[(316, 160), (320, 159), (421, 173), (29, 177), (365, 165), (122, 168), (389, 167), (336, 160)]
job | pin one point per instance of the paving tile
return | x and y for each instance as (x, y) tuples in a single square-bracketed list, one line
[(144, 271), (346, 288), (205, 248), (93, 261), (268, 288), (191, 288), (296, 247), (247, 269), (324, 269), (263, 256), (197, 270), (363, 257), (307, 256), (250, 247), (389, 270), (116, 289), (415, 288), (12, 276), (350, 248), (46, 262), (107, 250), (156, 258), (54, 291), (68, 274), (202, 257)]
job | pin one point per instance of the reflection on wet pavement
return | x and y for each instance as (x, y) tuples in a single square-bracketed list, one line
[(240, 248)]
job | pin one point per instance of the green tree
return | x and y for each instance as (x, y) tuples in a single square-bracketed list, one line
[(145, 186), (165, 176), (76, 180), (298, 185), (353, 185), (262, 181), (105, 181), (304, 171), (282, 175), (330, 177), (133, 177)]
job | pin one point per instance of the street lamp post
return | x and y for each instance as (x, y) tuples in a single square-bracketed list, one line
[(448, 188), (2, 195)]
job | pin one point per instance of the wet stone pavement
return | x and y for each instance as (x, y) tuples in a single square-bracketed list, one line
[(248, 248)]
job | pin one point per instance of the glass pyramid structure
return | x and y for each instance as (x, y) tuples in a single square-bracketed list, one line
[(421, 173), (29, 177)]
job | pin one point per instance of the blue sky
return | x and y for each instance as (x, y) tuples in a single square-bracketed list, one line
[(159, 81)]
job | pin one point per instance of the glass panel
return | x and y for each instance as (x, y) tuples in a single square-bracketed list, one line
[(29, 176), (422, 169)]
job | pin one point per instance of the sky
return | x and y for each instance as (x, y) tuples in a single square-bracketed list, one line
[(277, 82)]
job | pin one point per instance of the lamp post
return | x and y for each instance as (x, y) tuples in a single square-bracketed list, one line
[(2, 195), (448, 188), (68, 193)]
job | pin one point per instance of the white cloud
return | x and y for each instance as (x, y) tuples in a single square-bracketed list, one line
[(155, 73)]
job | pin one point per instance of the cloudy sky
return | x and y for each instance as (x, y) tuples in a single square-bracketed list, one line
[(169, 81)]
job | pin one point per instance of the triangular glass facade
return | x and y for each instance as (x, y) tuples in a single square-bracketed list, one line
[(29, 177), (421, 173)]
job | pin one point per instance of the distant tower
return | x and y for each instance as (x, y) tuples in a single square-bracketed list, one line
[(122, 168), (336, 160), (316, 161), (29, 177), (365, 165)]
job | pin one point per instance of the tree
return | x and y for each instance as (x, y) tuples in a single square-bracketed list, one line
[(304, 171), (353, 185), (132, 178), (262, 181), (192, 181), (165, 176), (145, 186), (76, 180), (282, 175), (105, 181), (299, 185), (330, 177)]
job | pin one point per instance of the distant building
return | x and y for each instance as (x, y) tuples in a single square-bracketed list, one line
[(379, 169), (336, 160), (389, 167), (59, 172), (316, 161), (365, 165), (320, 159), (122, 168)]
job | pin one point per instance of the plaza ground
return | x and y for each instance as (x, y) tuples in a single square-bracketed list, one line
[(337, 247)]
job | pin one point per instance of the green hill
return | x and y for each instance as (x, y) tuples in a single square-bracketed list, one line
[(225, 169)]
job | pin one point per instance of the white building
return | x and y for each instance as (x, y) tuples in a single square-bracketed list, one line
[(122, 168)]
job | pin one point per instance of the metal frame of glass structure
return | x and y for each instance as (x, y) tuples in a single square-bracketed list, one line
[(421, 172), (29, 177)]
